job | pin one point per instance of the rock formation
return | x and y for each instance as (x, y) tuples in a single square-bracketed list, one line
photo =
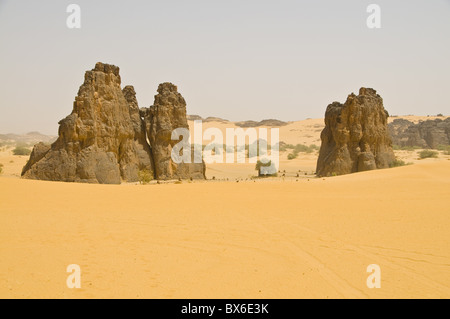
[(426, 134), (166, 114), (139, 156), (102, 141), (355, 137), (397, 130)]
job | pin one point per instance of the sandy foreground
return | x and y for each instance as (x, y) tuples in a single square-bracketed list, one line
[(265, 239), (294, 236)]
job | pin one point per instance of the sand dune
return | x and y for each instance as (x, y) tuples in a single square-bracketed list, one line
[(294, 236), (230, 240)]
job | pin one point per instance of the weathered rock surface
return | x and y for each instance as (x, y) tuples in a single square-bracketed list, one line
[(138, 156), (355, 137), (426, 134), (166, 114), (104, 139), (99, 141), (397, 130)]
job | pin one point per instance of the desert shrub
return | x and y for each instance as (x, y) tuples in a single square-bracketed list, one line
[(284, 147), (260, 151), (306, 149), (1, 168), (21, 150), (23, 144), (428, 154), (301, 148), (440, 115), (445, 148), (260, 164), (144, 176), (291, 156), (398, 163)]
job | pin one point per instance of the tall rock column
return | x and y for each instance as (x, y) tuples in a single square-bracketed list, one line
[(137, 155), (356, 136), (100, 141), (166, 114)]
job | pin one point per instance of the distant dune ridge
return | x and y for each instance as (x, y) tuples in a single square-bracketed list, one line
[(249, 123), (269, 122), (28, 138), (104, 140)]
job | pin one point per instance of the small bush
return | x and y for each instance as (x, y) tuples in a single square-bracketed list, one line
[(444, 148), (1, 168), (260, 164), (21, 150), (284, 147), (398, 163), (302, 148), (428, 154), (145, 177)]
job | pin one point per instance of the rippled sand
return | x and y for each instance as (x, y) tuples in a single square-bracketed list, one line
[(265, 239)]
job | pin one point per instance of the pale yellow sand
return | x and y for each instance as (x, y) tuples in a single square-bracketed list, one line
[(230, 240), (273, 238)]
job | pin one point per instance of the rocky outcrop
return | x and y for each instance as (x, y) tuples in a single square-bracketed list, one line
[(102, 141), (138, 157), (39, 151), (397, 129), (355, 137), (426, 134), (97, 142), (166, 114)]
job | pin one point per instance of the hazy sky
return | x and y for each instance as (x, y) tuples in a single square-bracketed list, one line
[(236, 59)]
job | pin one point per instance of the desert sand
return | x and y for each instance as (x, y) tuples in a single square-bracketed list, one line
[(284, 237)]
